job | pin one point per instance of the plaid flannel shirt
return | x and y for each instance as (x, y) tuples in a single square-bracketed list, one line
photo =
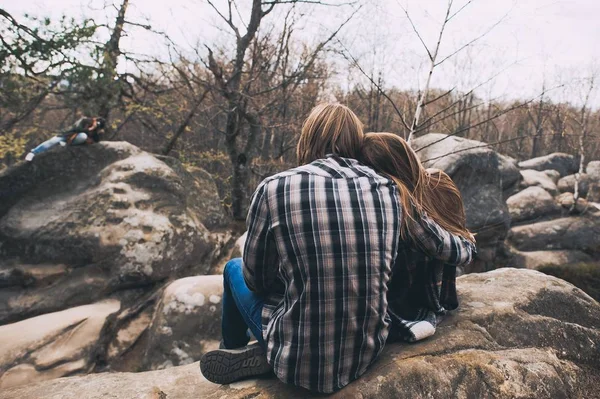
[(322, 241)]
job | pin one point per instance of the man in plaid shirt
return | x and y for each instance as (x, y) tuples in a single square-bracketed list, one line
[(323, 239)]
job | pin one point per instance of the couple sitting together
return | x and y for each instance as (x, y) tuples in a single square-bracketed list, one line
[(356, 247)]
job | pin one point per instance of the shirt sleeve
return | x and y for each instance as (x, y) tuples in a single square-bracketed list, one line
[(439, 243), (260, 252)]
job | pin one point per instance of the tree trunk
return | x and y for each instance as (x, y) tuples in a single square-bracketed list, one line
[(110, 88), (239, 182)]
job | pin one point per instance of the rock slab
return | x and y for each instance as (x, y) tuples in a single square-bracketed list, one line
[(186, 323), (108, 215), (517, 334), (52, 345), (565, 164), (531, 203)]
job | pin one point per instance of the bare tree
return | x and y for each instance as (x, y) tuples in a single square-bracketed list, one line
[(110, 59), (435, 60), (234, 80), (462, 106), (583, 126)]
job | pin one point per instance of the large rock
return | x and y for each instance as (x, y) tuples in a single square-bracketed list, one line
[(593, 194), (583, 275), (477, 173), (567, 202), (534, 178), (567, 184), (52, 345), (509, 171), (531, 203), (517, 334), (187, 322), (214, 214), (565, 164), (206, 196), (539, 259), (554, 175), (593, 169), (107, 216), (575, 232), (125, 339)]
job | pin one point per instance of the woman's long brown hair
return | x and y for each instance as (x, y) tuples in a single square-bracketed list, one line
[(435, 192)]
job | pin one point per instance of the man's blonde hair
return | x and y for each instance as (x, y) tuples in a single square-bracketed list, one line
[(330, 129)]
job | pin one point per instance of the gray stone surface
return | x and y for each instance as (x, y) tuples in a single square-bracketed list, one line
[(109, 215), (574, 232), (594, 193), (536, 259), (593, 169), (517, 334), (534, 178), (509, 170), (565, 164), (52, 345), (567, 184), (553, 174), (186, 323), (530, 204), (566, 201)]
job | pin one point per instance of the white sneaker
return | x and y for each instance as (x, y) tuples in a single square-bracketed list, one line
[(29, 157), (63, 143)]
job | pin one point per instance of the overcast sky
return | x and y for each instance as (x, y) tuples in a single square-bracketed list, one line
[(534, 41)]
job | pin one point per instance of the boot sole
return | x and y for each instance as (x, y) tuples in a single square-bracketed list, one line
[(224, 367)]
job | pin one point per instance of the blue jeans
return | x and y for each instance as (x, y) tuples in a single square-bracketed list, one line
[(242, 308), (46, 145)]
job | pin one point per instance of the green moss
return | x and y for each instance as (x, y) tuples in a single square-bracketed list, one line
[(582, 275)]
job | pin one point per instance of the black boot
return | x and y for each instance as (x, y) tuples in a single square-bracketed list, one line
[(224, 366)]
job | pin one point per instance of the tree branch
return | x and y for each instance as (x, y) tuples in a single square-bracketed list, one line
[(346, 54)]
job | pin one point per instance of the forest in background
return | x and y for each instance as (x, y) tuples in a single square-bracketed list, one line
[(236, 107)]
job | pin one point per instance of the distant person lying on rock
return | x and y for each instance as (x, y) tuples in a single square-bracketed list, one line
[(84, 131), (423, 287), (322, 242)]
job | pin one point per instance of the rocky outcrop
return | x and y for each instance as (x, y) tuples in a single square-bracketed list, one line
[(593, 169), (567, 202), (97, 225), (205, 198), (549, 227), (567, 184), (544, 179), (509, 171), (52, 345), (79, 223), (565, 164), (593, 194), (477, 172), (208, 198), (539, 259), (531, 204), (574, 232), (584, 275), (186, 323), (517, 333)]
